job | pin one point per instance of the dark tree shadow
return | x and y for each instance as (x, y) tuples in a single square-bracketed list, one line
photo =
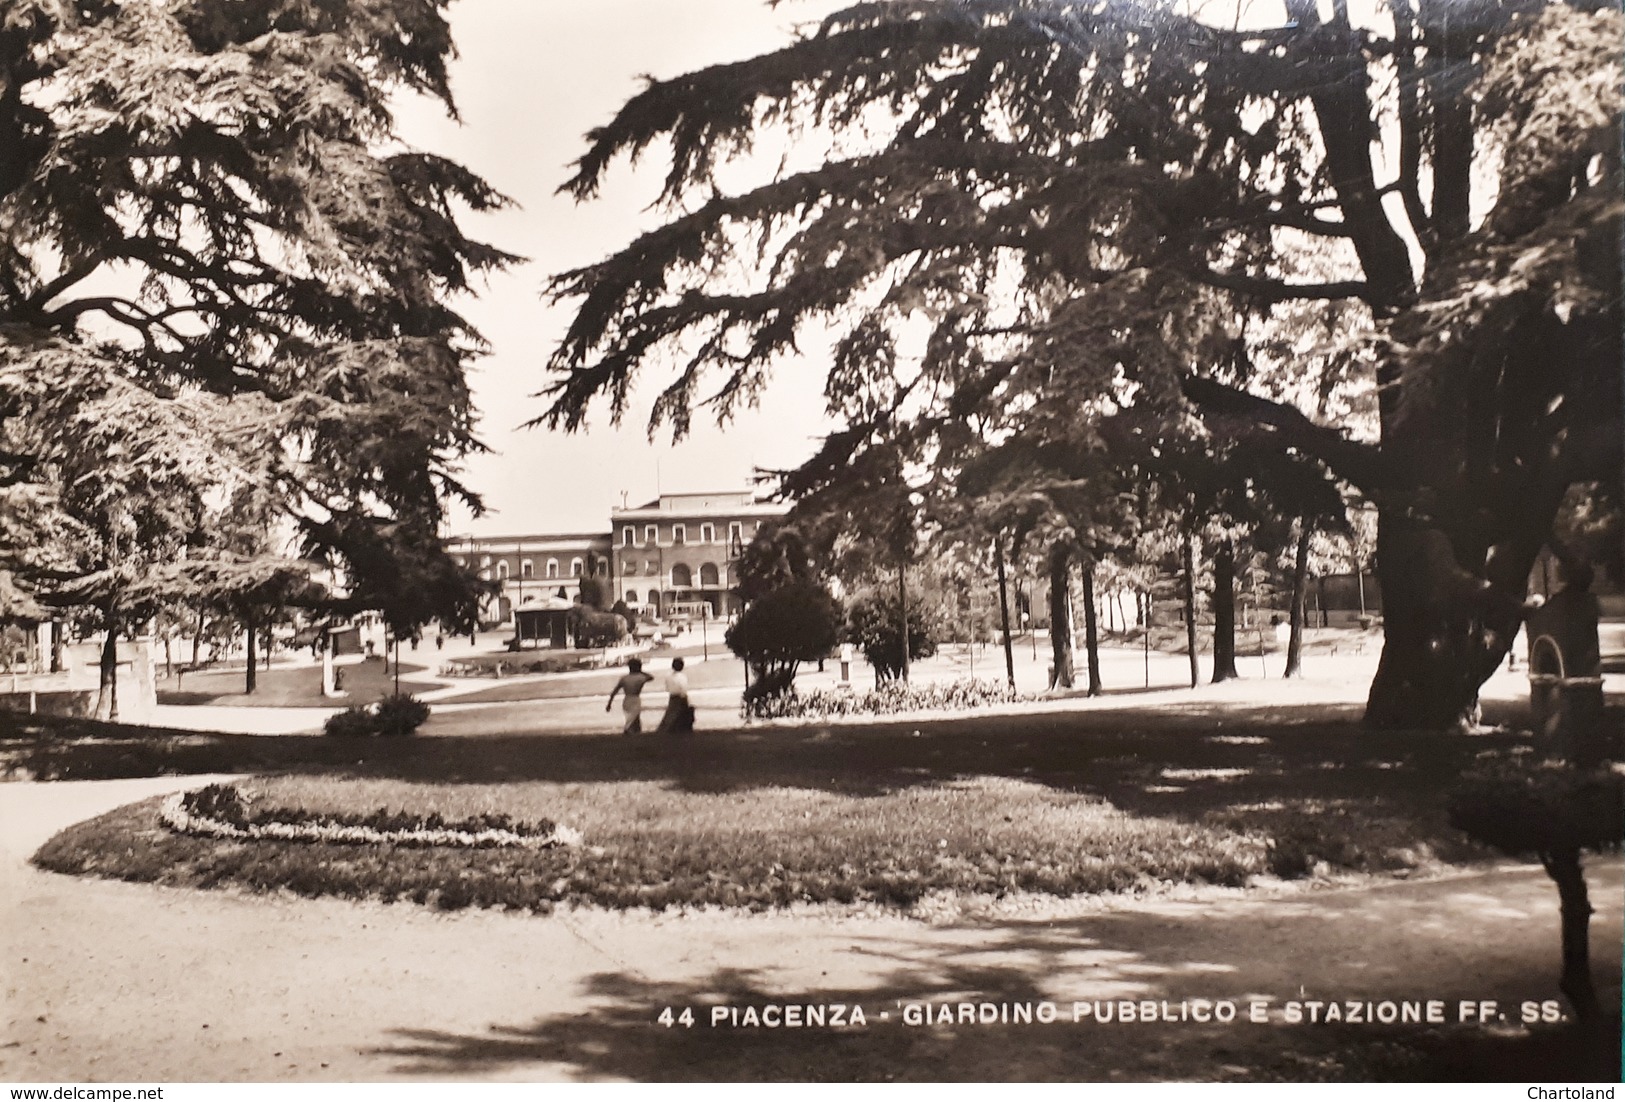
[(620, 1035)]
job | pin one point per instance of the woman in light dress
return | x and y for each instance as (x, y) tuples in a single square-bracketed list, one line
[(679, 717)]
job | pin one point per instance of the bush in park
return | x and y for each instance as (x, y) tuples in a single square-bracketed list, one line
[(596, 629), (400, 714), (397, 715), (795, 623), (356, 722), (874, 624)]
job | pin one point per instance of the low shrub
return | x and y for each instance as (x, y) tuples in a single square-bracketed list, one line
[(356, 722), (396, 715), (891, 698), (400, 714)]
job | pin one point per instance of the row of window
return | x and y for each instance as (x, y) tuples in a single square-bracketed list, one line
[(527, 569), (681, 574), (679, 534), (633, 597)]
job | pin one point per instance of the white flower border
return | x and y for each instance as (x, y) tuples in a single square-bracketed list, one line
[(173, 814)]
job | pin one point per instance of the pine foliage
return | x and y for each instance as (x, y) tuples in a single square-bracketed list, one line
[(220, 263)]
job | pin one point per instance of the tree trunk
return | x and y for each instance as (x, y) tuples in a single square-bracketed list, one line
[(1445, 631), (1004, 614), (902, 614), (107, 690), (1091, 629), (1564, 869), (1188, 558), (251, 679), (1060, 615), (1224, 612), (1300, 599)]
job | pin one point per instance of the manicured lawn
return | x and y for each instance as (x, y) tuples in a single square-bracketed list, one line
[(720, 672), (290, 686), (1056, 803)]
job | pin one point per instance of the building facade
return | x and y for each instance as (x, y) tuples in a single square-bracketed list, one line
[(673, 556), (531, 570)]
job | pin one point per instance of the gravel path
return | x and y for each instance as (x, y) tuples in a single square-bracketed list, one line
[(109, 981)]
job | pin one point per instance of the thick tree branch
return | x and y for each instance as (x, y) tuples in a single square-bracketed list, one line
[(1362, 465), (1277, 290)]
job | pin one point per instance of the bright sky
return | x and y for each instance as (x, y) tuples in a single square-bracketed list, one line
[(532, 79)]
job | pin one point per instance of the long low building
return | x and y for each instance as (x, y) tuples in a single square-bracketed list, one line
[(672, 556)]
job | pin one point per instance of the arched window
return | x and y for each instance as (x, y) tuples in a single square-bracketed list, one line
[(527, 569), (681, 576), (631, 597), (575, 568), (552, 568), (708, 573), (502, 570)]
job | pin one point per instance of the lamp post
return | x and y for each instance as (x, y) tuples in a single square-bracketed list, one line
[(1145, 639)]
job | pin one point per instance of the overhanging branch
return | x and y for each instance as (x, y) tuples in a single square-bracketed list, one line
[(1276, 290), (1361, 464)]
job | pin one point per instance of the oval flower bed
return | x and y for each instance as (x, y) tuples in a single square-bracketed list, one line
[(225, 811)]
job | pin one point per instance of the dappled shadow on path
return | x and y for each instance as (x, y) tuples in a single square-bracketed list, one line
[(1339, 948)]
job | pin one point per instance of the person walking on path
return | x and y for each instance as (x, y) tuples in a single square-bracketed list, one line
[(679, 717), (631, 684)]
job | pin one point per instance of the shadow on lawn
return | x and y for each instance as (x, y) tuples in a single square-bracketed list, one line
[(300, 686), (1304, 774), (1179, 953)]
